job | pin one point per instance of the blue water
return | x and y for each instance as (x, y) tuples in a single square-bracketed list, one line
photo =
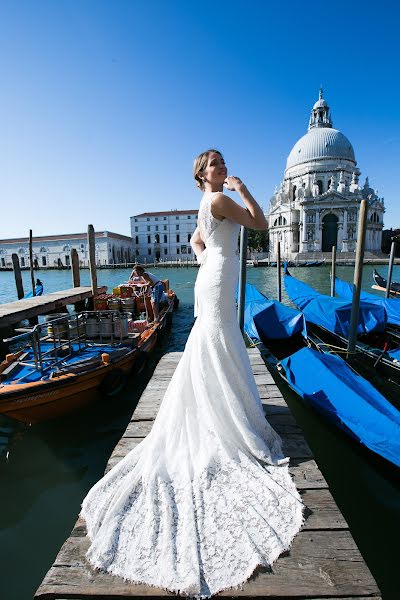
[(47, 469)]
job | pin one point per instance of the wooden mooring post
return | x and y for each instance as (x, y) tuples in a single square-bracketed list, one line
[(355, 307), (76, 278), (17, 275), (92, 260), (323, 562), (390, 269), (333, 271)]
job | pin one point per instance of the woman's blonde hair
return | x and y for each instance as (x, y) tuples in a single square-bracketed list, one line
[(200, 164)]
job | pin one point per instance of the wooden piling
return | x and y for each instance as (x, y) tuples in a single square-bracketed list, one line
[(92, 259), (31, 263), (390, 269), (333, 271), (355, 307), (76, 278), (18, 276)]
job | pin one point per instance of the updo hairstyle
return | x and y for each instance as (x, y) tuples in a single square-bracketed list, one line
[(200, 164)]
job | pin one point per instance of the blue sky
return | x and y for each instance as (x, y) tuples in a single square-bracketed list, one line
[(104, 104)]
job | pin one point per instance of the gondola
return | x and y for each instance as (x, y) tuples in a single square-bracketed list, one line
[(63, 364), (377, 346), (324, 381), (381, 283), (391, 305)]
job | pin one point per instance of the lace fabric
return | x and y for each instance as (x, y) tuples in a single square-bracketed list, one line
[(207, 496)]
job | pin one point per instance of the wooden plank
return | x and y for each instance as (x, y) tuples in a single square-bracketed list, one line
[(320, 563), (13, 312)]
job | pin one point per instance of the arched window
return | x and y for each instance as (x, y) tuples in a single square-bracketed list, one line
[(67, 248), (189, 236), (374, 218), (294, 192), (21, 251), (165, 239), (280, 221), (43, 249), (320, 185), (157, 238), (136, 239)]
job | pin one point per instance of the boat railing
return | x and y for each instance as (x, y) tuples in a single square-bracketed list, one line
[(70, 334)]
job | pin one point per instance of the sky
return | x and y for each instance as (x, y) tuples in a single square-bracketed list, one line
[(104, 104)]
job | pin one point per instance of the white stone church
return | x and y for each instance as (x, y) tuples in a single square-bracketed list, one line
[(318, 201)]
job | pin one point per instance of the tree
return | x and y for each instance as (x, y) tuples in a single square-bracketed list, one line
[(257, 240)]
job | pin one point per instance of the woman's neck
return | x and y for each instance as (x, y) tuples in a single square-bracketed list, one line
[(213, 187)]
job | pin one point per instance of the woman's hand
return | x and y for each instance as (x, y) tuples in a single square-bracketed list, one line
[(234, 184)]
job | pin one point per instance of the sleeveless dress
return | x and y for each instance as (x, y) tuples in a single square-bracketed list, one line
[(207, 496)]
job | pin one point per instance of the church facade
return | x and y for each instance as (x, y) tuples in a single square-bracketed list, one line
[(317, 204)]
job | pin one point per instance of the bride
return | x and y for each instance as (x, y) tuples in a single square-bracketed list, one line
[(207, 496)]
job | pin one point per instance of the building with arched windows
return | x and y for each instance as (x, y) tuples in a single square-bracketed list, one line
[(317, 204)]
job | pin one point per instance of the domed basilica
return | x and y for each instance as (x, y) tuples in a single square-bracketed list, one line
[(318, 201)]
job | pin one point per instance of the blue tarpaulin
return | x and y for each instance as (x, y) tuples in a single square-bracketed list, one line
[(334, 314), (391, 305), (346, 399), (275, 320)]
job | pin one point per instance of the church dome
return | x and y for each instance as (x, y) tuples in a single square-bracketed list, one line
[(321, 143)]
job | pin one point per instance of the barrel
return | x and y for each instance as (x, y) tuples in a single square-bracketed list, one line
[(105, 327), (114, 304), (92, 327), (121, 326), (127, 305)]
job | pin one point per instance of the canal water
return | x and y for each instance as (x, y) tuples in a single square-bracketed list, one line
[(46, 469)]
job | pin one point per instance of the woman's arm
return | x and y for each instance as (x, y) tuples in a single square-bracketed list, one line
[(222, 206), (197, 243)]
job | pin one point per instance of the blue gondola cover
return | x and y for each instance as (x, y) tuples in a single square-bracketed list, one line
[(334, 314), (391, 305), (346, 399)]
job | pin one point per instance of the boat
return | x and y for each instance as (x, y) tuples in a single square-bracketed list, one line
[(328, 319), (38, 290), (391, 305), (381, 283), (338, 393), (63, 364)]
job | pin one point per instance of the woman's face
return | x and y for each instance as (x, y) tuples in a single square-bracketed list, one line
[(215, 172)]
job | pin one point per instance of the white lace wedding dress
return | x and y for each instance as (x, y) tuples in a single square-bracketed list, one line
[(207, 496)]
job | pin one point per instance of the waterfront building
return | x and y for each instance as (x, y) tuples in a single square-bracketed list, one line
[(163, 235), (317, 204), (50, 251)]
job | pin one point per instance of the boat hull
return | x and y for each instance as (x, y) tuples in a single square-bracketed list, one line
[(44, 400)]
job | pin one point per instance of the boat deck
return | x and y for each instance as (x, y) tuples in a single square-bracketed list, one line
[(27, 308), (324, 561)]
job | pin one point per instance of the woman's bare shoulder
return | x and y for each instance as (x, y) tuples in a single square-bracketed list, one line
[(219, 203)]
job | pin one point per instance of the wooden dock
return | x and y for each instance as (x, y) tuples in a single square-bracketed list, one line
[(323, 563), (27, 308)]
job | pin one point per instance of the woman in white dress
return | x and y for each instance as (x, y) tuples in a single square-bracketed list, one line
[(207, 496)]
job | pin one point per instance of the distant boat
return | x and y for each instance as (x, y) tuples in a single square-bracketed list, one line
[(38, 290), (338, 393), (381, 282)]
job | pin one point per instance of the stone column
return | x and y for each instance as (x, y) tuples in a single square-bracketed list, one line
[(340, 237), (345, 247), (302, 230), (318, 231)]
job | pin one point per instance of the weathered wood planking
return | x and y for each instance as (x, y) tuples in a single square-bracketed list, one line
[(323, 563), (13, 312)]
